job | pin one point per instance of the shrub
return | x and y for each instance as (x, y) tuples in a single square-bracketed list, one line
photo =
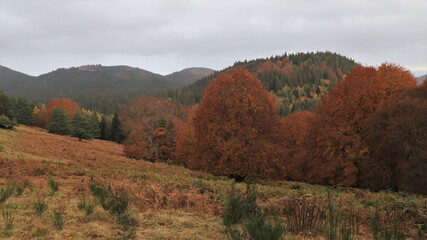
[(234, 233), (53, 185), (86, 205), (259, 229), (233, 210), (39, 207), (239, 207), (6, 123), (5, 193), (58, 219), (19, 190), (127, 221), (114, 202), (8, 218), (305, 214)]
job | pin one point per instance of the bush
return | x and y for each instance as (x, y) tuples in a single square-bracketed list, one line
[(304, 214), (86, 205), (234, 233), (127, 221), (5, 193), (53, 185), (259, 229), (39, 207), (19, 190), (8, 218), (114, 202), (6, 123), (58, 218), (233, 210)]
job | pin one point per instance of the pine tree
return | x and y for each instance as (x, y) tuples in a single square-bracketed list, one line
[(58, 122), (103, 128), (24, 112), (116, 130)]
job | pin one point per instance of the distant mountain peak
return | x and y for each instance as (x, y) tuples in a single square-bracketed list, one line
[(190, 75)]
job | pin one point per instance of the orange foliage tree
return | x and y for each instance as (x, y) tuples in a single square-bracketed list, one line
[(397, 139), (150, 126), (336, 145), (236, 129), (42, 116), (184, 138), (296, 131), (66, 104)]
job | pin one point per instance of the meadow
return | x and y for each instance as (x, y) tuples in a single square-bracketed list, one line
[(51, 178)]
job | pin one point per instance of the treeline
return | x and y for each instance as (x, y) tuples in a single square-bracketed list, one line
[(61, 116), (299, 81), (15, 111), (369, 132)]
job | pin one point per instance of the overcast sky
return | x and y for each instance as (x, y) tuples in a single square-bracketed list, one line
[(165, 36)]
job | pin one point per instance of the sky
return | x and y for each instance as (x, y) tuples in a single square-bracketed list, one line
[(164, 36)]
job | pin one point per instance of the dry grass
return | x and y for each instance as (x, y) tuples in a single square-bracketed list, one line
[(170, 202)]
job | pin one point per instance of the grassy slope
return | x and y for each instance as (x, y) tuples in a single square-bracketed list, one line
[(170, 202)]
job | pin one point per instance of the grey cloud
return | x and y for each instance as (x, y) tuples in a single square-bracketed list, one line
[(164, 36)]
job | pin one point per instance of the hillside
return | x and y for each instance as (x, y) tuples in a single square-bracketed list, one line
[(298, 80), (169, 202), (190, 75), (14, 82), (96, 87)]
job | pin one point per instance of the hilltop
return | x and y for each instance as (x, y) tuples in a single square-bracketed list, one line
[(102, 88), (169, 202), (190, 75), (299, 80)]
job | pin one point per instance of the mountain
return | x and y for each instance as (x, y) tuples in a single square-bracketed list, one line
[(299, 81), (12, 81), (101, 88), (190, 75), (421, 79)]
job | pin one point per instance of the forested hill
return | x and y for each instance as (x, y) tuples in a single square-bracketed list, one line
[(298, 80), (190, 75), (14, 81), (95, 87)]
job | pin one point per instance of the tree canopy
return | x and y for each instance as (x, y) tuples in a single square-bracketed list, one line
[(237, 129)]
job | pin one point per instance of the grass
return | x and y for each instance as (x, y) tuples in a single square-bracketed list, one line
[(168, 202), (39, 207)]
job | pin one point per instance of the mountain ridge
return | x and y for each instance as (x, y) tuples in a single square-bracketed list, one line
[(102, 88)]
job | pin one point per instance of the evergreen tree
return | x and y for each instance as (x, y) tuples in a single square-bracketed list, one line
[(116, 130), (93, 125), (24, 112), (84, 126), (58, 122), (103, 128), (80, 127)]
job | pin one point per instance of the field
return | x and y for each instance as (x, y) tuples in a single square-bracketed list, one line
[(169, 202)]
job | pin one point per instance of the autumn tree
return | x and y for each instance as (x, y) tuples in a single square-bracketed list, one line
[(336, 144), (41, 116), (184, 138), (397, 139), (296, 132), (58, 122), (237, 130), (150, 126), (66, 104)]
